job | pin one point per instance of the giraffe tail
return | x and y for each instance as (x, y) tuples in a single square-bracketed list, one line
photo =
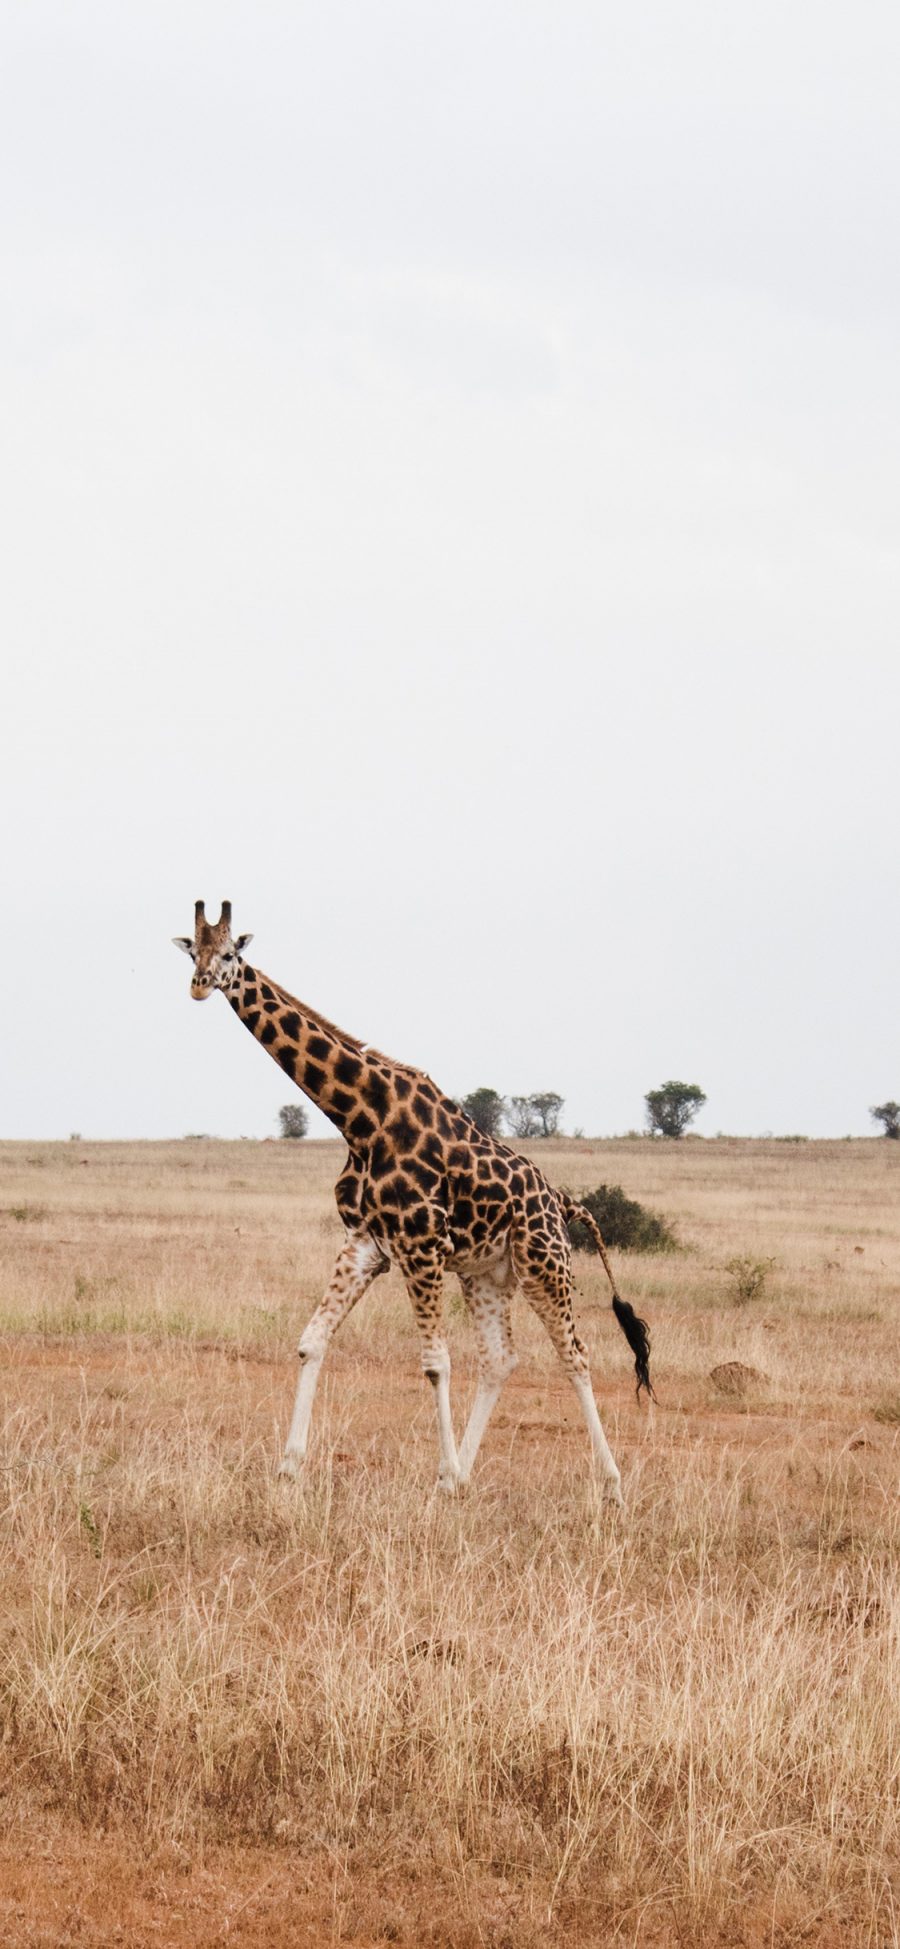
[(636, 1330)]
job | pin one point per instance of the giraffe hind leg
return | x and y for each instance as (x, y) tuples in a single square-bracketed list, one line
[(545, 1281), (488, 1295)]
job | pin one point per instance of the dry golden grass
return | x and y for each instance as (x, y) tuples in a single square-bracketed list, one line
[(241, 1710)]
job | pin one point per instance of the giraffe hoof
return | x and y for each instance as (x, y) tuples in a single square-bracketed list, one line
[(289, 1468), (448, 1484), (608, 1492)]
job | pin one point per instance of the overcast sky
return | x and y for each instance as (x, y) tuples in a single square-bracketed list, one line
[(450, 496)]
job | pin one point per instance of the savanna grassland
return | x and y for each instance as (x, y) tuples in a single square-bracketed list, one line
[(238, 1710)]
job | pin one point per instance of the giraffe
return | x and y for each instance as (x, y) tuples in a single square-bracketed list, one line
[(423, 1188)]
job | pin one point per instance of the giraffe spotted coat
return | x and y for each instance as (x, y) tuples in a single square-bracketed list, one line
[(424, 1188)]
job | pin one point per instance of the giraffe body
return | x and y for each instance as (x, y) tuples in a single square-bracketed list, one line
[(425, 1189)]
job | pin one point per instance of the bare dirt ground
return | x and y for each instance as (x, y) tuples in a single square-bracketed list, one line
[(238, 1711)]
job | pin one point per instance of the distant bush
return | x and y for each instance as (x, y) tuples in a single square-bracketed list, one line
[(750, 1276), (624, 1223), (293, 1120), (888, 1114)]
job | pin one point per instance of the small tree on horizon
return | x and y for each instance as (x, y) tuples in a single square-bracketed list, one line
[(487, 1108), (672, 1107), (293, 1120), (548, 1109), (522, 1117), (888, 1114)]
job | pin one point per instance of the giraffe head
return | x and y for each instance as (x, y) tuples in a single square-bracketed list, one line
[(215, 955)]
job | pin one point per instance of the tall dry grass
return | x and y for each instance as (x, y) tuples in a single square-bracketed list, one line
[(681, 1727)]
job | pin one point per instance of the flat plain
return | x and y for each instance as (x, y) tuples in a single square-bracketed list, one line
[(238, 1710)]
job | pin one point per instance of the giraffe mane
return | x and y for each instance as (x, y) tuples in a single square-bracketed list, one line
[(312, 1015)]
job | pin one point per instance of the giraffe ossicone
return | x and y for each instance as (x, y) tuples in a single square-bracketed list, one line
[(425, 1189)]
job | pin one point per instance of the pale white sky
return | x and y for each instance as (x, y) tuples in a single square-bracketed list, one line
[(449, 507)]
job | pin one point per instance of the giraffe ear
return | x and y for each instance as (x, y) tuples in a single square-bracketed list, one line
[(243, 940), (181, 940)]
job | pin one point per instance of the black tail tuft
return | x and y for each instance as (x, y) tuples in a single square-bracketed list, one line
[(637, 1333)]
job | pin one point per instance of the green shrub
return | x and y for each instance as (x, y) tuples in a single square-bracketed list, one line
[(625, 1224), (749, 1277)]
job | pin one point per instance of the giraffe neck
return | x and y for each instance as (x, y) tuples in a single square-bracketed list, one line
[(331, 1068)]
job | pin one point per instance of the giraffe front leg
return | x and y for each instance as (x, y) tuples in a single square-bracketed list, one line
[(436, 1365), (358, 1263), (425, 1280)]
